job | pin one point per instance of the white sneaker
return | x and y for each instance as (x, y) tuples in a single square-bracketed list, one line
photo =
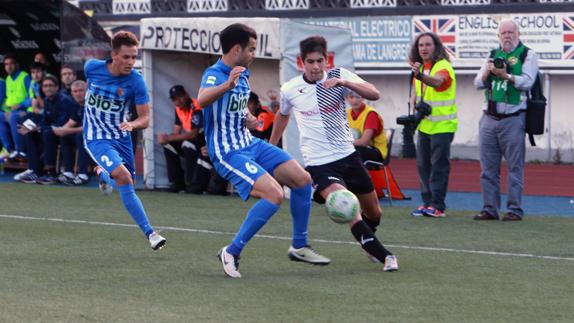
[(19, 176), (105, 187), (13, 155), (229, 262), (391, 263), (156, 241), (307, 254)]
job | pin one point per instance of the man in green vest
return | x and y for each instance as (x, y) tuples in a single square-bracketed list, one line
[(435, 85), (506, 77), (3, 151), (17, 85)]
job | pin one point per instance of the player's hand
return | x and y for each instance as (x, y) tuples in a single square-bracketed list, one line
[(250, 122), (234, 76), (23, 130), (162, 139), (58, 131), (126, 126), (204, 151), (333, 82)]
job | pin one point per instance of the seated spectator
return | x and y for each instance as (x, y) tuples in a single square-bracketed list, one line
[(43, 58), (34, 102), (74, 127), (264, 117), (4, 153), (367, 127), (184, 140), (67, 76), (17, 85), (58, 108)]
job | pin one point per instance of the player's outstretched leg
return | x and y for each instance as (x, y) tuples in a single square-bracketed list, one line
[(104, 181), (257, 216), (364, 232), (300, 250), (135, 208)]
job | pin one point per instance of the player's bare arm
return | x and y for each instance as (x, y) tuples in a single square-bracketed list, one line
[(364, 89), (279, 126), (207, 96), (141, 122)]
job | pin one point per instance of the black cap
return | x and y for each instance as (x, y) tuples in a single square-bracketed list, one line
[(176, 90)]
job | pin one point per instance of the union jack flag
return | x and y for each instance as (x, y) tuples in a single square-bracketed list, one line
[(444, 28), (568, 34)]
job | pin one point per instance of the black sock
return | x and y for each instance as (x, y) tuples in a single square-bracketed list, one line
[(373, 224), (369, 242)]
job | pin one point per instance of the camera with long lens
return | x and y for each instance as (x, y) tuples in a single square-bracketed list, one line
[(422, 109), (499, 62)]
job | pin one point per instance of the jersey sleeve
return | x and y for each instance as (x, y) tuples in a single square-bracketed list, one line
[(286, 106), (141, 96), (89, 66), (350, 76), (373, 122), (211, 78)]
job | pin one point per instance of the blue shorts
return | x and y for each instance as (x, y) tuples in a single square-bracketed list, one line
[(111, 153), (243, 167)]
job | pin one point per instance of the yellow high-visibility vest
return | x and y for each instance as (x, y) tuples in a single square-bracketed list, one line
[(380, 140), (15, 90), (443, 118)]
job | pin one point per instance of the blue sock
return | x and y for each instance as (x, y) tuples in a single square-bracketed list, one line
[(105, 176), (300, 211), (259, 214), (135, 208)]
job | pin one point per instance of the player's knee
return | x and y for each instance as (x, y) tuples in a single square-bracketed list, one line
[(275, 195), (302, 179), (123, 178)]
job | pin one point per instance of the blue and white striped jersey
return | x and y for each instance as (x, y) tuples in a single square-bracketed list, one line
[(224, 119), (108, 99)]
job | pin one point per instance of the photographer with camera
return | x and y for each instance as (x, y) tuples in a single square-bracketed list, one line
[(509, 72), (436, 115)]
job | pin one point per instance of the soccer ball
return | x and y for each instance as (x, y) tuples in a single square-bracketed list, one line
[(342, 206)]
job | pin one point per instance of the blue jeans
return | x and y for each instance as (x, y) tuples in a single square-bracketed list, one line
[(5, 136)]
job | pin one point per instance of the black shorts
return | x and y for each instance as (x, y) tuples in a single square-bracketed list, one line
[(348, 172)]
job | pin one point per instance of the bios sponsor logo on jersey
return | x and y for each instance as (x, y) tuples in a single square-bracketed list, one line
[(310, 113), (237, 103), (105, 104)]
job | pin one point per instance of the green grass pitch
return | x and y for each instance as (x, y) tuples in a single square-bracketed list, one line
[(86, 267)]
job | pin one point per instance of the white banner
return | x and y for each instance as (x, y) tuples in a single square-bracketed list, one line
[(201, 35), (469, 38)]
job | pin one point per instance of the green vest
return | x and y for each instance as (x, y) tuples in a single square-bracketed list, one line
[(31, 94), (502, 90), (15, 90), (443, 118)]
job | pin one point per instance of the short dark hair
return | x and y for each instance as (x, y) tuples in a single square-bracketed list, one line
[(253, 97), (67, 66), (313, 44), (37, 66), (11, 56), (236, 34), (50, 77), (122, 38), (439, 50)]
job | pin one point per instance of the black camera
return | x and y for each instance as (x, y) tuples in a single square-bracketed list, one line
[(499, 62), (422, 109)]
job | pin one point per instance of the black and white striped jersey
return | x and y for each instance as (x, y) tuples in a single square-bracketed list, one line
[(321, 118)]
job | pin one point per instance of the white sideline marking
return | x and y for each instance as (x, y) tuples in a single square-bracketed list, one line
[(478, 252)]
